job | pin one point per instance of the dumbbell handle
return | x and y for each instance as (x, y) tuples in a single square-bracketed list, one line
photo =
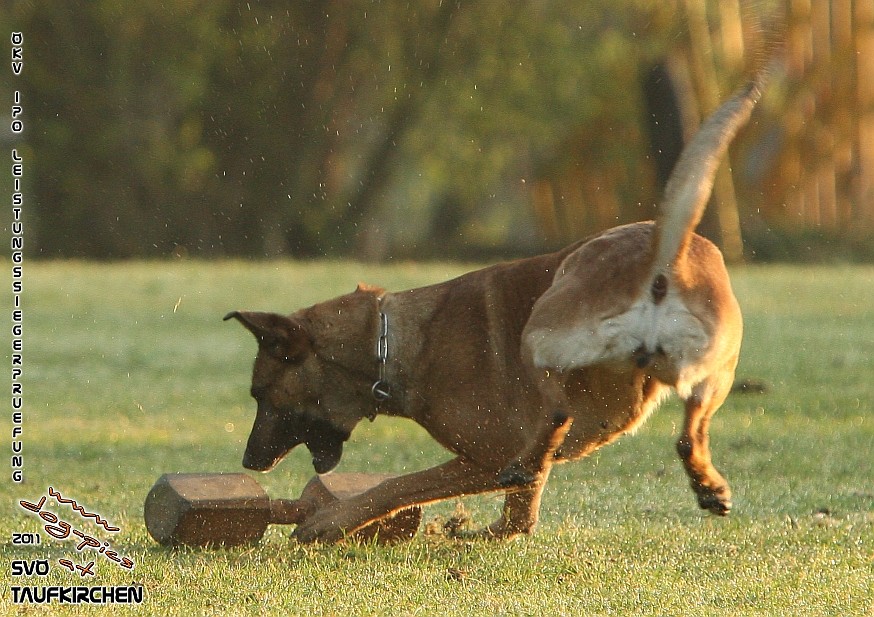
[(319, 492), (288, 511)]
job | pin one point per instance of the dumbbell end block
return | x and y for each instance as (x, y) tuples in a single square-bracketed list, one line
[(206, 509)]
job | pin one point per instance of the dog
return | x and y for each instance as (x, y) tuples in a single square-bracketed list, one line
[(517, 366)]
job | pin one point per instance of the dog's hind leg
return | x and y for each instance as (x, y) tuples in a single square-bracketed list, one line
[(694, 444)]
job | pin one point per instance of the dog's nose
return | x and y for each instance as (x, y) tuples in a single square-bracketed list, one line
[(641, 357)]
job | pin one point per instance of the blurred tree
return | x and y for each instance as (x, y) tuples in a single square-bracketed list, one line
[(263, 128), (309, 102), (111, 93), (359, 126)]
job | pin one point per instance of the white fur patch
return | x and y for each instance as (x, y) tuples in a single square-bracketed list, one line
[(668, 326)]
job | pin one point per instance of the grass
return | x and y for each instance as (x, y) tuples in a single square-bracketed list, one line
[(130, 373)]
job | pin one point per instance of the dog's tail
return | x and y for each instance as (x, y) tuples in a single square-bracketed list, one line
[(691, 181)]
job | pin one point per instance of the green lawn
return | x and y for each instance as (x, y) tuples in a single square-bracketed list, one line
[(130, 373)]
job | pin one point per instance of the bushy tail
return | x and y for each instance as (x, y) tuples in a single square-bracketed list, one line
[(691, 181)]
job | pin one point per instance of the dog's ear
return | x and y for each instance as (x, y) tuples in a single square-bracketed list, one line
[(282, 337), (370, 289)]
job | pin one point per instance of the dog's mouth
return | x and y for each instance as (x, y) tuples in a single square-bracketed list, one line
[(271, 441), (325, 444)]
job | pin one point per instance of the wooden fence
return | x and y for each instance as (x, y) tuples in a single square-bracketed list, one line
[(825, 174), (806, 163)]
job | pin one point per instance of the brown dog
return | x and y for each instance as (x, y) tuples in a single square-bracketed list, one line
[(517, 365)]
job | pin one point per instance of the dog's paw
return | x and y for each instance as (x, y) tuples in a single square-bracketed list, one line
[(326, 526), (318, 531), (515, 475), (718, 502), (716, 505)]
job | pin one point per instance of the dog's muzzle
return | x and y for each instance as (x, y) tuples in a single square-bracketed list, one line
[(274, 435)]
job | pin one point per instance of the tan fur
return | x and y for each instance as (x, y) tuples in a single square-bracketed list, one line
[(518, 365)]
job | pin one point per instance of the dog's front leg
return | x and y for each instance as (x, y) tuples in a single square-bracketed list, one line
[(520, 513), (451, 479), (522, 503), (533, 464)]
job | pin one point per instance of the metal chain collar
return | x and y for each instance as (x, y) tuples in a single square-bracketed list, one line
[(380, 389)]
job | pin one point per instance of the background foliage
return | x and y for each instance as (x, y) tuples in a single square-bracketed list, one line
[(395, 128)]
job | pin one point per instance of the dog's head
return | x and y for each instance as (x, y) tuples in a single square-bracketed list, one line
[(311, 379)]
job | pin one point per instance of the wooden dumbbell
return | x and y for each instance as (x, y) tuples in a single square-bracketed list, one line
[(230, 509)]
